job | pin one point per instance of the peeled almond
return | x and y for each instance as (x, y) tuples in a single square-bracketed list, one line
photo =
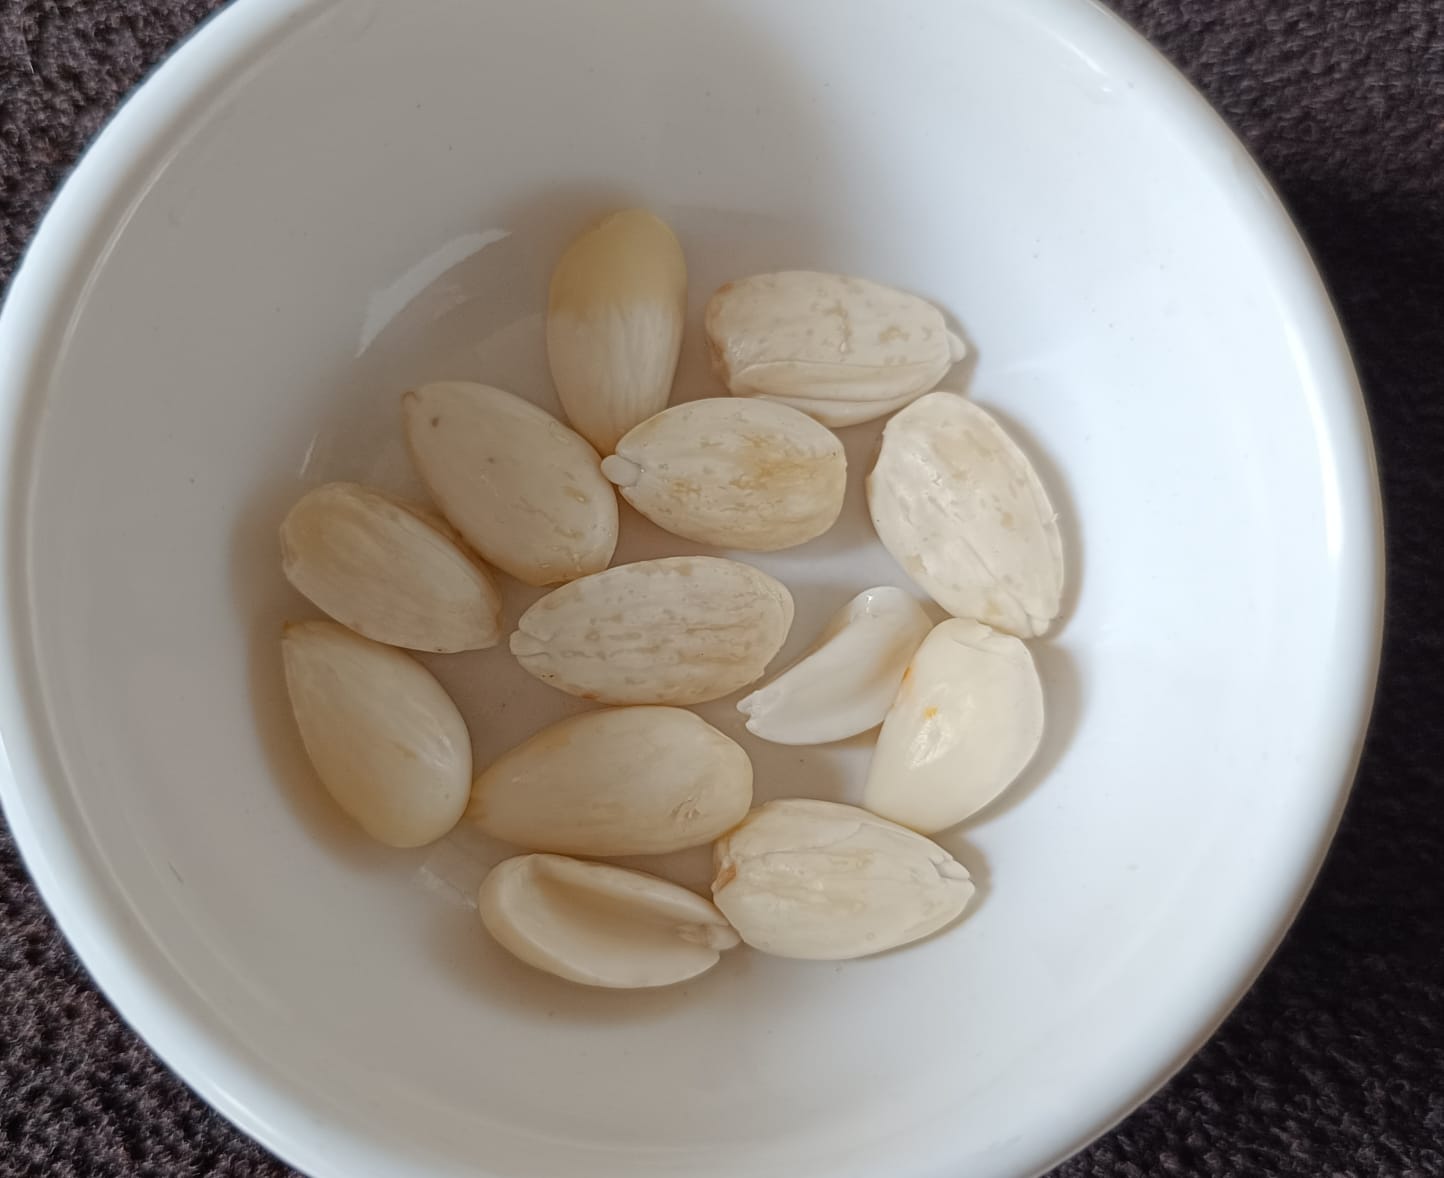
[(847, 682), (828, 882), (386, 740), (816, 340), (966, 722), (840, 414), (681, 630), (962, 510), (614, 324), (389, 571), (525, 492), (622, 781), (736, 474), (601, 925)]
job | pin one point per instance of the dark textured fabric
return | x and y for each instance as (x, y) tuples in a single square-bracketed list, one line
[(1334, 1064)]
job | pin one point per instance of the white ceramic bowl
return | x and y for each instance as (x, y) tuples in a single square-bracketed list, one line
[(315, 204)]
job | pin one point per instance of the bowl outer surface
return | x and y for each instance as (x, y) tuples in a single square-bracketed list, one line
[(315, 205)]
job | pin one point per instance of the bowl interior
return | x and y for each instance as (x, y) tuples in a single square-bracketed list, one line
[(319, 205)]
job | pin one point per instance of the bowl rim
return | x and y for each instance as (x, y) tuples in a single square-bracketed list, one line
[(88, 214)]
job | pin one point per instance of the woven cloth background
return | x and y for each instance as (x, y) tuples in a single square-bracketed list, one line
[(1334, 1064)]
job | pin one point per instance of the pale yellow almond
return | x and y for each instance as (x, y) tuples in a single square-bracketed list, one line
[(615, 317)]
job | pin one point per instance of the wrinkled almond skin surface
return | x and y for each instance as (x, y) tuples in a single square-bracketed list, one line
[(962, 510), (828, 882), (843, 349), (681, 630), (733, 473)]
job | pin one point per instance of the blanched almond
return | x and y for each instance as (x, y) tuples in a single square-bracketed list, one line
[(386, 740), (961, 509), (734, 473), (841, 414), (389, 571), (681, 630), (967, 720), (621, 781), (826, 882), (815, 339), (614, 324), (847, 682), (601, 925), (526, 492)]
